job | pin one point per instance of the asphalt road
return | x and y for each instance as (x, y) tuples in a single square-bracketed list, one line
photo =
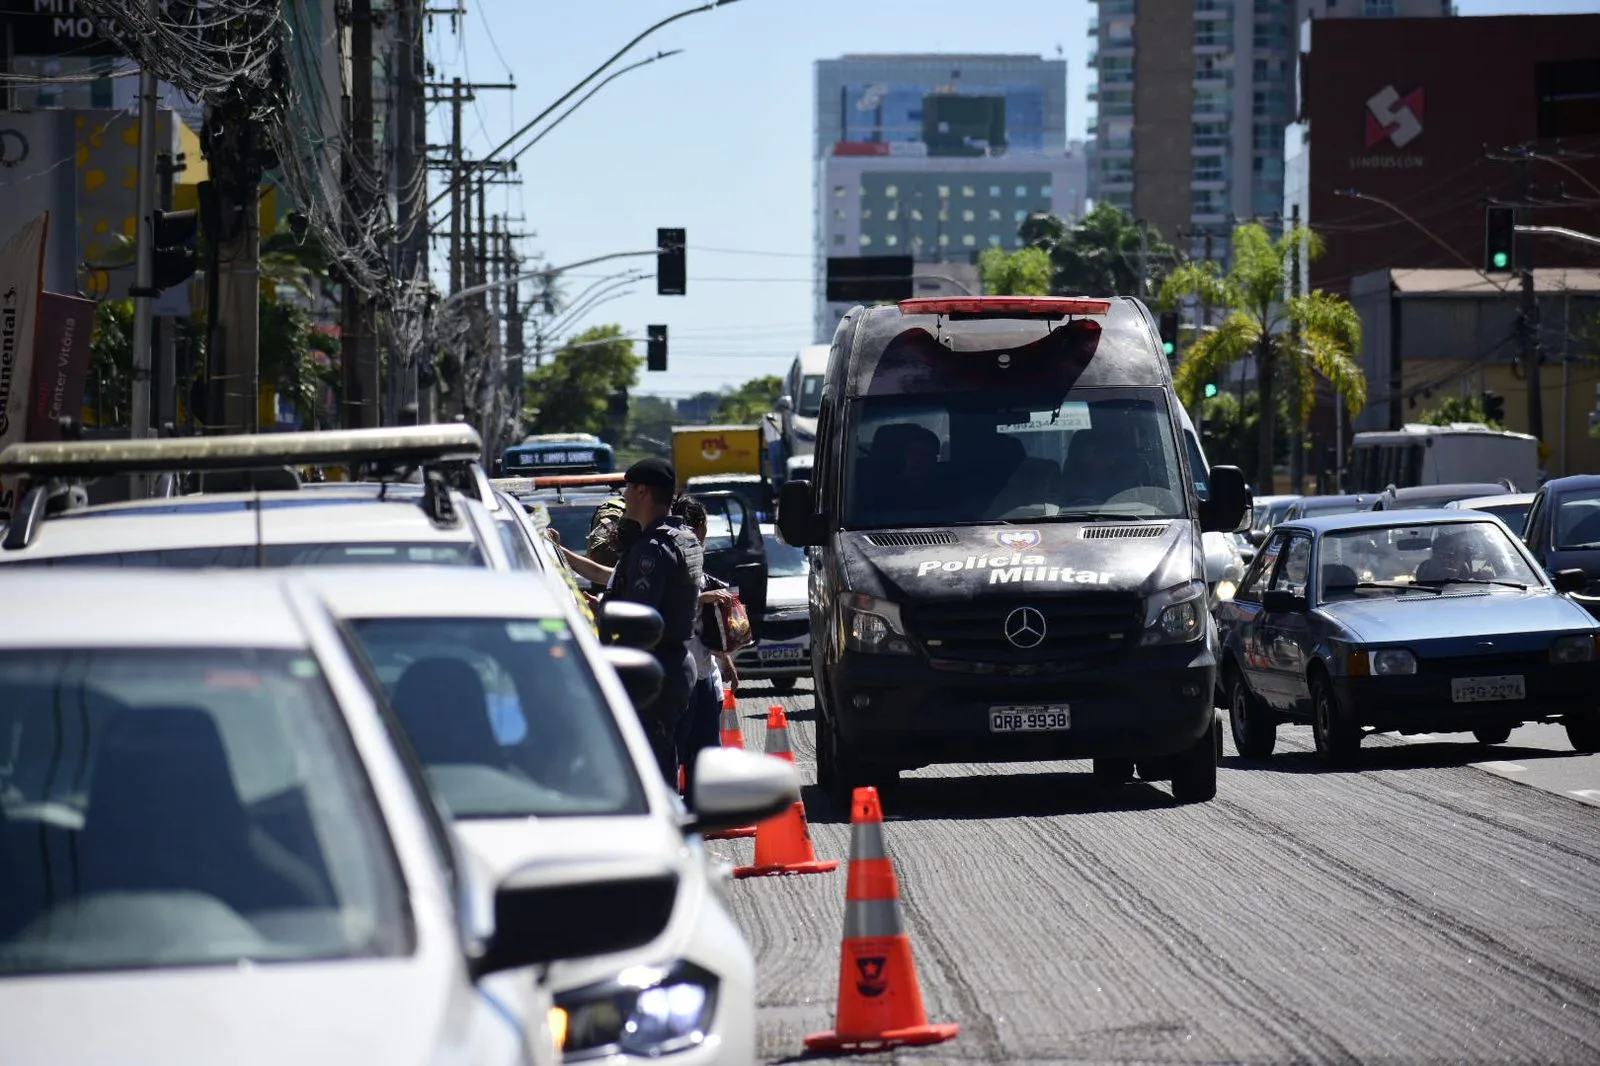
[(1416, 910)]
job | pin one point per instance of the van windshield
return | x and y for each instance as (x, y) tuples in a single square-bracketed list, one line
[(997, 455), (809, 402)]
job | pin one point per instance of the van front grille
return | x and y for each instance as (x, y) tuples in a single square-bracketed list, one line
[(1077, 627)]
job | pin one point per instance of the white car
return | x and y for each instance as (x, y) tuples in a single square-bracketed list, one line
[(783, 654), (535, 751), (211, 850)]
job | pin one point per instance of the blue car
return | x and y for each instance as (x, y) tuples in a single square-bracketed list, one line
[(1406, 621)]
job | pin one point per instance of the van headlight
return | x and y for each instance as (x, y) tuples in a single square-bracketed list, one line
[(646, 1011), (1176, 615), (1573, 649), (874, 625)]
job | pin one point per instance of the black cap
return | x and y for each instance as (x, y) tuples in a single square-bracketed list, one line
[(654, 472)]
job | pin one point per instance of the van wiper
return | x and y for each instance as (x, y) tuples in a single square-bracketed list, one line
[(1076, 516), (1476, 581)]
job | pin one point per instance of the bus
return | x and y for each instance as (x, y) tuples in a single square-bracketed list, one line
[(558, 453), (1442, 455)]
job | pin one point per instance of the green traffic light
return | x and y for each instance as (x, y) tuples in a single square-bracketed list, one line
[(1501, 260), (1168, 347), (1211, 390)]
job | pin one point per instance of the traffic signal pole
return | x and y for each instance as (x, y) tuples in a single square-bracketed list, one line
[(1529, 319), (143, 291)]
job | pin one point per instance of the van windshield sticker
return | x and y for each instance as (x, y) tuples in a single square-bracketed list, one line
[(1069, 417)]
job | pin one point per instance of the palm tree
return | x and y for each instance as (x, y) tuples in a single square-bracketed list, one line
[(1312, 332)]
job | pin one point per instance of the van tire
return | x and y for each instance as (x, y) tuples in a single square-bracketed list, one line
[(1108, 773), (840, 771), (1194, 772)]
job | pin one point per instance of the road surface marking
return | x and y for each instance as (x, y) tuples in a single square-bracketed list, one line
[(1502, 767)]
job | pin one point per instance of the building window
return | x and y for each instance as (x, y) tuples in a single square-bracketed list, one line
[(838, 190), (994, 240), (967, 190), (1022, 192), (944, 240), (891, 190), (916, 214), (1021, 215), (866, 239), (891, 240), (969, 240), (1046, 191), (838, 212), (866, 213), (969, 216), (994, 190), (994, 214), (944, 192), (838, 238), (893, 214), (1377, 9)]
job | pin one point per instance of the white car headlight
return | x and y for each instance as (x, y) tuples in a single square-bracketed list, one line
[(647, 1011), (1391, 662), (1176, 615), (1578, 648)]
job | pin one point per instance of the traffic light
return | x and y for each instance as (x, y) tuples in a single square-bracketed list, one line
[(671, 269), (1494, 407), (1211, 389), (655, 348), (1169, 332), (1499, 239), (176, 252), (866, 279)]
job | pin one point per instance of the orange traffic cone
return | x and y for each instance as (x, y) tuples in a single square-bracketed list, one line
[(880, 1000), (783, 843), (732, 737)]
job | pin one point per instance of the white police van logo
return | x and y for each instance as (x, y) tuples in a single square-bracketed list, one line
[(1025, 628), (1015, 568), (1018, 539)]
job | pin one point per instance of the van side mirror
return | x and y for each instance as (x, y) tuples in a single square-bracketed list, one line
[(797, 521), (629, 625), (1282, 601), (1569, 580), (638, 671), (554, 910), (1228, 509), (733, 787)]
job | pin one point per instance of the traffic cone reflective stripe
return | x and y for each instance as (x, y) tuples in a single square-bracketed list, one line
[(783, 843), (880, 999)]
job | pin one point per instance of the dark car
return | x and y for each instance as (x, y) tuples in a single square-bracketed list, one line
[(1426, 496), (1406, 621), (1311, 506), (1563, 531)]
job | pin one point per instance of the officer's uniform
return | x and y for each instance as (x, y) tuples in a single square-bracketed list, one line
[(662, 569), (610, 532)]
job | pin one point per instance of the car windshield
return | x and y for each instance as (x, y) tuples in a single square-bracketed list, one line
[(1269, 515), (1307, 508), (243, 556), (809, 401), (1447, 556), (182, 807), (995, 455), (1514, 515), (505, 714), (782, 559), (1578, 520)]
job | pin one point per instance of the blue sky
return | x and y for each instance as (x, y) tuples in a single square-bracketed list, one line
[(716, 140)]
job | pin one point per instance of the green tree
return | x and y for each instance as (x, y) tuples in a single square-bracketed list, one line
[(749, 401), (571, 391), (1458, 409), (1099, 255), (1024, 272), (1260, 323), (650, 422), (1229, 429)]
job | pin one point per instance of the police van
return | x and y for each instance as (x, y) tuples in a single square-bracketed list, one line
[(1005, 540)]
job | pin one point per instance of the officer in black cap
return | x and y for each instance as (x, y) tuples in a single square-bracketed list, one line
[(662, 569)]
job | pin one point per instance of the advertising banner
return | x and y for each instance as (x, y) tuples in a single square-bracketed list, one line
[(60, 363), (21, 273)]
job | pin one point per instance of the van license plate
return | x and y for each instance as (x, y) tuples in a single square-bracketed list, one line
[(1030, 718), (1488, 689)]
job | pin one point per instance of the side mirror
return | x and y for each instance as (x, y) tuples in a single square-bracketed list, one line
[(639, 672), (1257, 537), (733, 787), (555, 910), (630, 625), (1228, 510), (1569, 580), (785, 404), (796, 518), (1282, 601)]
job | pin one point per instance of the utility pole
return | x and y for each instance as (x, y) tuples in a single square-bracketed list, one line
[(1528, 320), (233, 352), (1297, 452), (410, 155), (1144, 257), (515, 345), (357, 350), (166, 358), (144, 278)]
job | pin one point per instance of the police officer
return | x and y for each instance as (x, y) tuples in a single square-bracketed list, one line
[(611, 531), (661, 568)]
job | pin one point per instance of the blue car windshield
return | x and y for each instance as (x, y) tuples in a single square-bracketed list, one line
[(1452, 557)]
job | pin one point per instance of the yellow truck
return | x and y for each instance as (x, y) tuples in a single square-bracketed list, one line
[(698, 451)]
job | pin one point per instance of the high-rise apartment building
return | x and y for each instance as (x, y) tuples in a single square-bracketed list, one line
[(938, 157), (1193, 98)]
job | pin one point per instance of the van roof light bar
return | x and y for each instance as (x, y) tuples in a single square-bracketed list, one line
[(1004, 306), (388, 444), (513, 485)]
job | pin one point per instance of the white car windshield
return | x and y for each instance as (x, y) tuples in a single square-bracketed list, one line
[(505, 714), (180, 807)]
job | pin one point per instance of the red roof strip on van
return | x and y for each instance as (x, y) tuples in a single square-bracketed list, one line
[(551, 481), (1003, 306)]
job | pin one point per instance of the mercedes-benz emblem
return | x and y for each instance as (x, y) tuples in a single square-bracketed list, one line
[(1025, 628)]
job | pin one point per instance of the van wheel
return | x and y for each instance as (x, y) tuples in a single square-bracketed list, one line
[(1583, 732), (840, 771), (1255, 734), (1194, 772), (1338, 737), (783, 685), (1112, 772), (1497, 735)]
